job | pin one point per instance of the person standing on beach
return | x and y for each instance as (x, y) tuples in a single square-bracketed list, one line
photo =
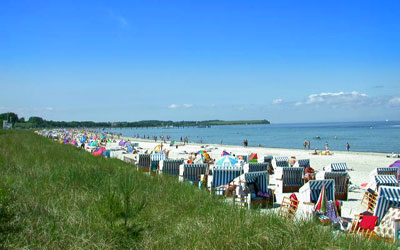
[(305, 144), (347, 146), (326, 146), (222, 140), (309, 144)]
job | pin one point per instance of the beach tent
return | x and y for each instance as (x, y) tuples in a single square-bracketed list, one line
[(94, 144), (121, 143), (227, 161), (253, 158), (396, 164), (98, 151), (310, 191), (388, 197)]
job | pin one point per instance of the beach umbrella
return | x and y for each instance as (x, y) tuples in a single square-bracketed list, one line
[(94, 144), (201, 152), (321, 203), (225, 153), (227, 161)]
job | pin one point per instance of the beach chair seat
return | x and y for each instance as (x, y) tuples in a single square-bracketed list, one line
[(369, 200), (289, 179), (282, 161), (288, 208), (341, 184)]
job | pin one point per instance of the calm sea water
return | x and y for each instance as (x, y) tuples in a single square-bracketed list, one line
[(362, 136)]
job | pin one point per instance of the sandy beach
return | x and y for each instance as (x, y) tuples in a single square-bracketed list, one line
[(362, 163)]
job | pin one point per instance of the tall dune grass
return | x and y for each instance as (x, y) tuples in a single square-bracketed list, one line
[(55, 196)]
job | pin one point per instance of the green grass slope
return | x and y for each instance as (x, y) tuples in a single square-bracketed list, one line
[(55, 196)]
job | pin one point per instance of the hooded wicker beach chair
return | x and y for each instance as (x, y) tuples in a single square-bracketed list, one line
[(336, 167), (341, 184), (222, 176), (282, 161), (170, 167), (289, 179), (312, 189), (192, 172)]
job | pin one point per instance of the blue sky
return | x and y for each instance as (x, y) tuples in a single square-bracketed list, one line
[(285, 61)]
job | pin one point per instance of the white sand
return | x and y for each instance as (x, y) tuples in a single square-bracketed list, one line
[(361, 163)]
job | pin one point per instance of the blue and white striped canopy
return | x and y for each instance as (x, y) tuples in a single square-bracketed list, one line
[(382, 171), (304, 163), (192, 172), (224, 175), (282, 161), (388, 197), (339, 166), (386, 180), (292, 176), (171, 167), (255, 167), (260, 177)]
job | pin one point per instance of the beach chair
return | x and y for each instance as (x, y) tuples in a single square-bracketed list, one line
[(336, 167), (363, 225), (192, 172), (288, 208), (250, 182), (282, 161), (388, 197), (268, 159), (341, 184), (310, 191), (387, 171), (303, 163), (289, 179), (256, 167), (386, 180), (369, 200), (144, 162), (170, 167), (222, 176)]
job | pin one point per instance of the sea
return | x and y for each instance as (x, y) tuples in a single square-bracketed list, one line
[(381, 136)]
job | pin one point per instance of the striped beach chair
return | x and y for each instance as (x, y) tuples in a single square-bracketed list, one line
[(155, 160), (387, 171), (170, 167), (223, 176), (262, 180), (336, 167), (341, 184), (256, 167), (386, 180), (282, 161), (268, 159), (291, 179), (192, 172), (303, 163), (312, 189), (144, 161), (261, 177), (388, 197)]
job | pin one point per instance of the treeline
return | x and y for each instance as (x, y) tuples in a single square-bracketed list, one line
[(38, 122)]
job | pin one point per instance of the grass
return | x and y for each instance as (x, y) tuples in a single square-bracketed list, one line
[(55, 196)]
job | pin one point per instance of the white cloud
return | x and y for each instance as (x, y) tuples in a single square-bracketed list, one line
[(338, 98), (49, 109), (298, 104), (394, 102), (173, 106), (277, 101), (187, 105)]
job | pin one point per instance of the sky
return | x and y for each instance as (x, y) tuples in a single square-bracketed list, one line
[(284, 61)]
